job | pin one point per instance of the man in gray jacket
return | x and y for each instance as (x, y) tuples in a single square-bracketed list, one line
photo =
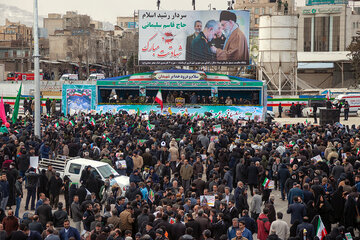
[(255, 205), (76, 213)]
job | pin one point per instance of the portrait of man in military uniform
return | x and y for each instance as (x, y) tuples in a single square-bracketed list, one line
[(189, 39), (200, 46)]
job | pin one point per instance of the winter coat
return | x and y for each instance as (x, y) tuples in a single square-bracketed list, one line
[(126, 220), (55, 185), (186, 172), (253, 175), (263, 224)]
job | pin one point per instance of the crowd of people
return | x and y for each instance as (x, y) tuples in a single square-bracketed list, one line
[(188, 180)]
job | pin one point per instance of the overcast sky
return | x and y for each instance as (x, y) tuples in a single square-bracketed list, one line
[(108, 10)]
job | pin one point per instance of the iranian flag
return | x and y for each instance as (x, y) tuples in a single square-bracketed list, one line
[(56, 124), (72, 123), (217, 128), (92, 121), (191, 130), (328, 96), (149, 126), (159, 99), (320, 230), (266, 183), (151, 195)]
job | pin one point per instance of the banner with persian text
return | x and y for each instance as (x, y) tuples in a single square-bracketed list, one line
[(194, 37)]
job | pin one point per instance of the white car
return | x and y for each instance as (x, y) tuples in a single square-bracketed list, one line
[(73, 168), (96, 76), (69, 77)]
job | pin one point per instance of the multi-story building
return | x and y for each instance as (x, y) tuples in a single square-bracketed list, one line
[(324, 33), (15, 46), (127, 22), (15, 31)]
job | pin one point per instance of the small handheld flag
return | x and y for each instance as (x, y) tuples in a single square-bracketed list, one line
[(266, 183), (159, 99), (191, 130)]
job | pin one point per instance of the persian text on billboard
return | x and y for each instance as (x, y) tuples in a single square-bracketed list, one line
[(194, 37)]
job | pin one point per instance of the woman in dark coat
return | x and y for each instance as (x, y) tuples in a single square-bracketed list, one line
[(43, 184), (252, 177), (311, 211), (350, 212), (338, 203), (92, 184), (66, 194), (325, 211)]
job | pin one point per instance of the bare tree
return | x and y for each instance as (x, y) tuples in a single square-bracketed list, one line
[(354, 54)]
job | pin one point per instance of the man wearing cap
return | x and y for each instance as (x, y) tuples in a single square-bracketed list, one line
[(200, 48), (235, 46)]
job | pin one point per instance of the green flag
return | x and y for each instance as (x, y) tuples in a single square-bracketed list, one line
[(17, 104)]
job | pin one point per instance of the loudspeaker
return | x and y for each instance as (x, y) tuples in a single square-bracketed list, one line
[(329, 116)]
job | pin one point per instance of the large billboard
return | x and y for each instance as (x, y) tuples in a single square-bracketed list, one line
[(194, 37)]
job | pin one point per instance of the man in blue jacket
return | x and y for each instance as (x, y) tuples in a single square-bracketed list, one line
[(297, 210), (69, 232), (295, 192)]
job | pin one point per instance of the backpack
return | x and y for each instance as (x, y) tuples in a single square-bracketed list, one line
[(265, 220)]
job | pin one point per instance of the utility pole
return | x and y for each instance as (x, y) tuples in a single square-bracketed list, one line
[(193, 3), (37, 71), (158, 4)]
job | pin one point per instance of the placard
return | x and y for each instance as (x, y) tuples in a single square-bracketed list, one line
[(142, 91), (34, 161), (121, 164), (207, 200), (271, 184), (317, 158)]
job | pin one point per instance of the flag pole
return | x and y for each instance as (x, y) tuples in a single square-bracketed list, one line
[(37, 119)]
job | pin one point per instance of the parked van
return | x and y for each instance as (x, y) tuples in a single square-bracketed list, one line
[(69, 76), (96, 76), (352, 99)]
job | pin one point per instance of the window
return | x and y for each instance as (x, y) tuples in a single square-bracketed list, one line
[(262, 11), (270, 10), (256, 20), (307, 34), (336, 34), (69, 42), (69, 54), (321, 34), (256, 10), (354, 25), (106, 171), (74, 168)]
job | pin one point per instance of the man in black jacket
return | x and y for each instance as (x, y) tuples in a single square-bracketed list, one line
[(31, 183), (35, 225), (177, 229), (196, 233), (44, 212), (60, 216)]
